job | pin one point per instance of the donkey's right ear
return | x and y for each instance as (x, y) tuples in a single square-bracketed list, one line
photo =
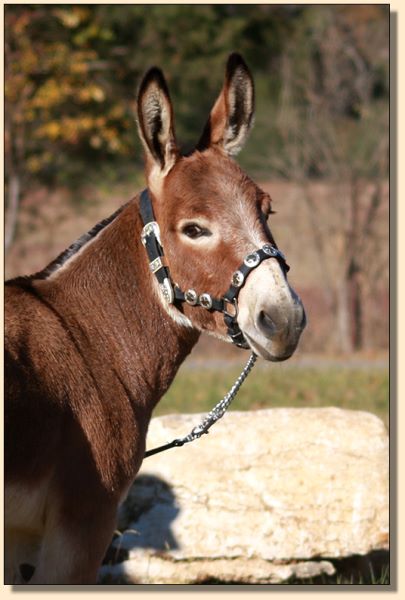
[(156, 122)]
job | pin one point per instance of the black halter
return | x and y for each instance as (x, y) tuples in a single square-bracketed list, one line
[(228, 304)]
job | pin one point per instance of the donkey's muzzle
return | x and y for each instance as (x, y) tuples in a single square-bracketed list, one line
[(279, 329), (271, 314)]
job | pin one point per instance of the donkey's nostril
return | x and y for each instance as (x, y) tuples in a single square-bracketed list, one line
[(265, 323)]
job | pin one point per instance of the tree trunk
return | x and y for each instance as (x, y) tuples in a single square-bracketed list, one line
[(11, 215), (343, 318), (356, 305)]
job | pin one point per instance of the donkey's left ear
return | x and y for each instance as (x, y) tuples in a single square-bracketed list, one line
[(156, 122), (232, 115)]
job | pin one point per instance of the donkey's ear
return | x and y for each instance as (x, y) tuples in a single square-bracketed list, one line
[(232, 115), (155, 120)]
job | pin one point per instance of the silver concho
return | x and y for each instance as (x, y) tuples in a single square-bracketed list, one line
[(270, 250), (167, 290), (238, 278), (206, 301), (191, 297), (252, 260)]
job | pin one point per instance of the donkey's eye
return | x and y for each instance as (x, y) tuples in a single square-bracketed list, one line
[(193, 231)]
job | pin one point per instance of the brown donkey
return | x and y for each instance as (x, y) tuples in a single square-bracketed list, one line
[(95, 340)]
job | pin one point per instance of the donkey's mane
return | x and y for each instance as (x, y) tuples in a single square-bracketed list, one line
[(64, 256)]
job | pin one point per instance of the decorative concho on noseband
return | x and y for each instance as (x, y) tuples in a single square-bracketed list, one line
[(238, 279), (252, 260), (191, 297), (205, 301), (150, 237)]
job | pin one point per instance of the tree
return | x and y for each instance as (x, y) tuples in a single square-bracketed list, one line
[(321, 75), (333, 124), (72, 71), (59, 114)]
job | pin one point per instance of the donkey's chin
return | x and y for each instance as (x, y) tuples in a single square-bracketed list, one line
[(268, 349)]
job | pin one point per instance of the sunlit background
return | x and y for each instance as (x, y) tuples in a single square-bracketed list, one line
[(319, 146)]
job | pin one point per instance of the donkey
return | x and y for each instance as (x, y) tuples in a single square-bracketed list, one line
[(95, 339)]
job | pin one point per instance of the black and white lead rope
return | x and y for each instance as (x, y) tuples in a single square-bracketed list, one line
[(213, 416), (174, 295)]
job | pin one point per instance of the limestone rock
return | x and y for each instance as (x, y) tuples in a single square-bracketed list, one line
[(263, 497)]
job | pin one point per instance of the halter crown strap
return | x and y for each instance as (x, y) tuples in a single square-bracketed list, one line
[(150, 237), (228, 304)]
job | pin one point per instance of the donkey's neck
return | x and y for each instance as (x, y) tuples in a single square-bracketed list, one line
[(105, 295)]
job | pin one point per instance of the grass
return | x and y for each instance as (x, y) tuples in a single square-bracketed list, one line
[(197, 390)]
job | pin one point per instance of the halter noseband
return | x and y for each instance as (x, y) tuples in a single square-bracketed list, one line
[(174, 295)]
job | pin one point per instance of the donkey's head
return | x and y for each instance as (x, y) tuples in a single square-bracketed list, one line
[(212, 215)]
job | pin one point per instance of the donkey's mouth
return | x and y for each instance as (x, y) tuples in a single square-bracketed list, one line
[(268, 352)]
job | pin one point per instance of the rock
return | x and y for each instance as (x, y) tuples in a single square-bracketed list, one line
[(155, 569), (262, 498)]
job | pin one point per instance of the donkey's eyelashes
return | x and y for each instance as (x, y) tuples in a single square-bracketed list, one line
[(194, 231)]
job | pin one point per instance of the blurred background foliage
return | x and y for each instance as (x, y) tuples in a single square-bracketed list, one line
[(72, 73), (322, 88)]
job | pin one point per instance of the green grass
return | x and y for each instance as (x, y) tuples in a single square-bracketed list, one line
[(197, 390)]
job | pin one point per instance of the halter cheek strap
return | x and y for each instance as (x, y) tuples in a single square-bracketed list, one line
[(228, 304)]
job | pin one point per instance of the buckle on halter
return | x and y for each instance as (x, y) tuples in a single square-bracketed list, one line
[(151, 228), (234, 304)]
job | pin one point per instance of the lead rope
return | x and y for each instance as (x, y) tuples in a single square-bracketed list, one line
[(214, 415)]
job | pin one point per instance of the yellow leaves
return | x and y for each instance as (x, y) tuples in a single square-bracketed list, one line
[(55, 92), (59, 84), (100, 122), (85, 123), (79, 68), (92, 32), (114, 145), (21, 23), (50, 94), (97, 94), (73, 129), (36, 162), (29, 115), (91, 92), (117, 112), (107, 138), (50, 130), (111, 137), (29, 61), (67, 129), (96, 141), (72, 17)]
